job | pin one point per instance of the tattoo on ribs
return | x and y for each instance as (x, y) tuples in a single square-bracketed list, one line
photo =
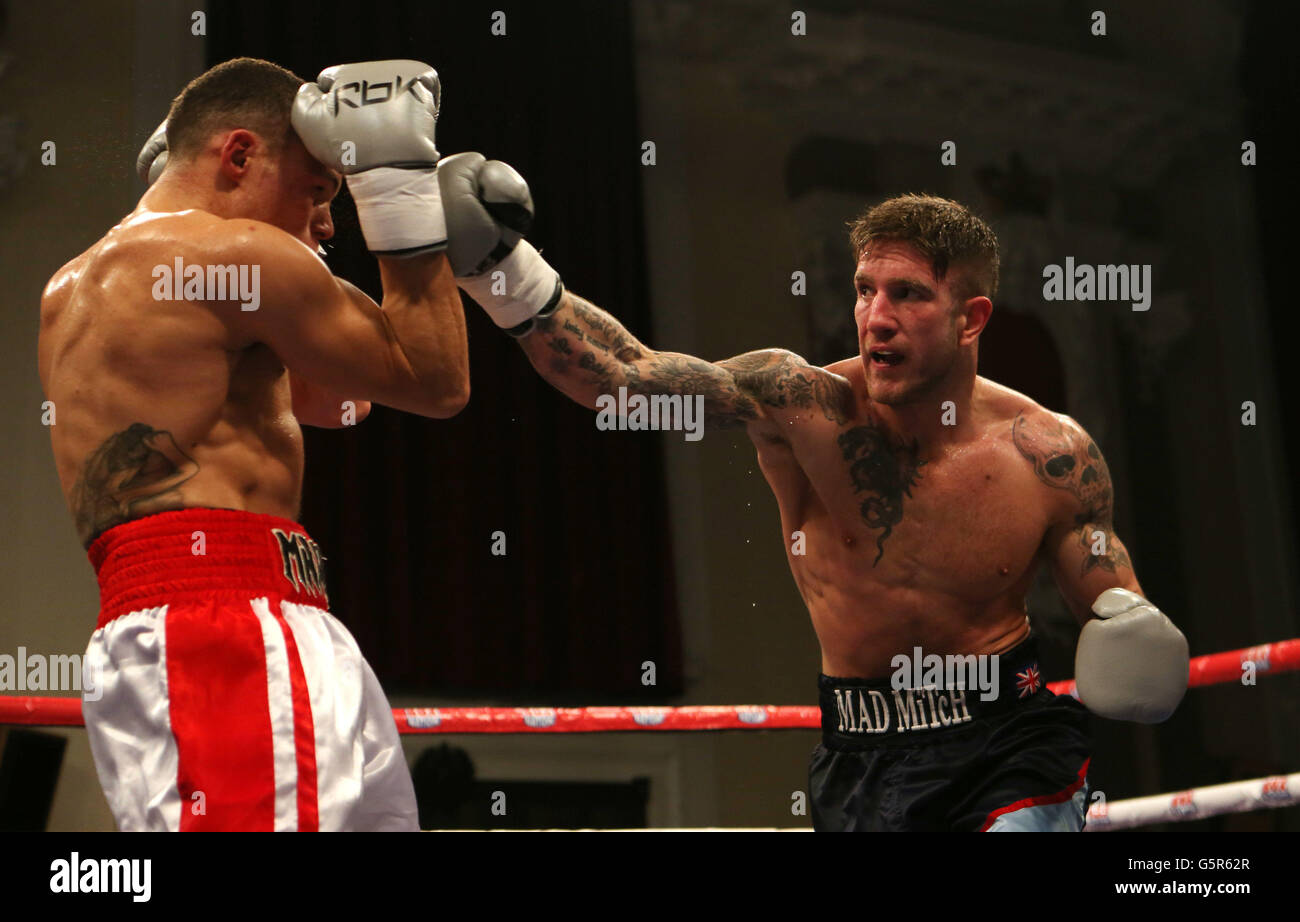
[(1069, 460), (134, 473), (885, 472)]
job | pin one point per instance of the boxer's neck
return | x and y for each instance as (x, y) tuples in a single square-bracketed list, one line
[(939, 415)]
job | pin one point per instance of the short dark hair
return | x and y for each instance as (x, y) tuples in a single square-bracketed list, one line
[(944, 232), (241, 93)]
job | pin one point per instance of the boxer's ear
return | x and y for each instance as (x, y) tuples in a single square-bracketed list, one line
[(976, 312)]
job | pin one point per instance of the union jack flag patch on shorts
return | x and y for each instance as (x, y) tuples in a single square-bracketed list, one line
[(1029, 681)]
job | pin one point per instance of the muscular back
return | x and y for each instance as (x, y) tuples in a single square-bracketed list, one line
[(158, 405)]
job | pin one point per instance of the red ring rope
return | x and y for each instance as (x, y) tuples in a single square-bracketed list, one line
[(1212, 669)]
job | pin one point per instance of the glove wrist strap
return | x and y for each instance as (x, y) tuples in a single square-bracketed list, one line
[(516, 289), (400, 210)]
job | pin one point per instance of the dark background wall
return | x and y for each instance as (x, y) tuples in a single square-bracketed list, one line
[(407, 509)]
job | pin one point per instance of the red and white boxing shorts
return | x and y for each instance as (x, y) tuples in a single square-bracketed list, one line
[(232, 699)]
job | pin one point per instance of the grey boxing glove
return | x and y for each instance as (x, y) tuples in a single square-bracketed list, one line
[(375, 123), (153, 156), (1131, 662), (489, 209)]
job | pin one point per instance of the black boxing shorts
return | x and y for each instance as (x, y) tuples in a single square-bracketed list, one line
[(937, 757)]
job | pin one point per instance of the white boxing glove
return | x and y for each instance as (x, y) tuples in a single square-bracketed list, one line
[(1131, 662)]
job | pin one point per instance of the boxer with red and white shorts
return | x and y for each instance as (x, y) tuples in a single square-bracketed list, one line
[(183, 352), (231, 698)]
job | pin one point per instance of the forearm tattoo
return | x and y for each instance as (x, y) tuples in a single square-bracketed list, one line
[(1067, 459), (579, 335), (884, 472), (134, 473)]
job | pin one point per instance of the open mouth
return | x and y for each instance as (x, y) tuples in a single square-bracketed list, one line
[(885, 357)]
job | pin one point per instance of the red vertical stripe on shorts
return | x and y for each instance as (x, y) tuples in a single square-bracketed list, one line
[(220, 718), (304, 733)]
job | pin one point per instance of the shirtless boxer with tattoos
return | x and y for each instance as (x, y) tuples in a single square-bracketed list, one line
[(927, 497)]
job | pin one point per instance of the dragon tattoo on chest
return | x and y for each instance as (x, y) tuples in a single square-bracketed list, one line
[(883, 473)]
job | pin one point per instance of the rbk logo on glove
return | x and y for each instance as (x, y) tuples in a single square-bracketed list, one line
[(367, 93)]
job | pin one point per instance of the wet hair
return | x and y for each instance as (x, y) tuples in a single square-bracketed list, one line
[(943, 231)]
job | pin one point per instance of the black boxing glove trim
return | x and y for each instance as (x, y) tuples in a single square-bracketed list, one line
[(523, 329), (499, 252)]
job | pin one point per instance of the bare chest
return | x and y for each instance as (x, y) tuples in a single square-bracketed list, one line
[(967, 520)]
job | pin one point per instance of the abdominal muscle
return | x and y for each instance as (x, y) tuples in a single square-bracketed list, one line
[(862, 622)]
